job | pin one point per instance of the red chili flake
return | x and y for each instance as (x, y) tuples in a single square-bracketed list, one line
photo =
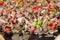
[(32, 28), (35, 8), (1, 3), (50, 7)]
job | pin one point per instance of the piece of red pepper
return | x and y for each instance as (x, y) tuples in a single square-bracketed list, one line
[(6, 29), (36, 7), (11, 20), (1, 3), (51, 25), (50, 7), (32, 29), (8, 24)]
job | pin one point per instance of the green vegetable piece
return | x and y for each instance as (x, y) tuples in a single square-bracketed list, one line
[(12, 26), (55, 11), (34, 23), (40, 23), (18, 2), (37, 24)]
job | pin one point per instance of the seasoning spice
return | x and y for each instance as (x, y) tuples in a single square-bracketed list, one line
[(35, 8)]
